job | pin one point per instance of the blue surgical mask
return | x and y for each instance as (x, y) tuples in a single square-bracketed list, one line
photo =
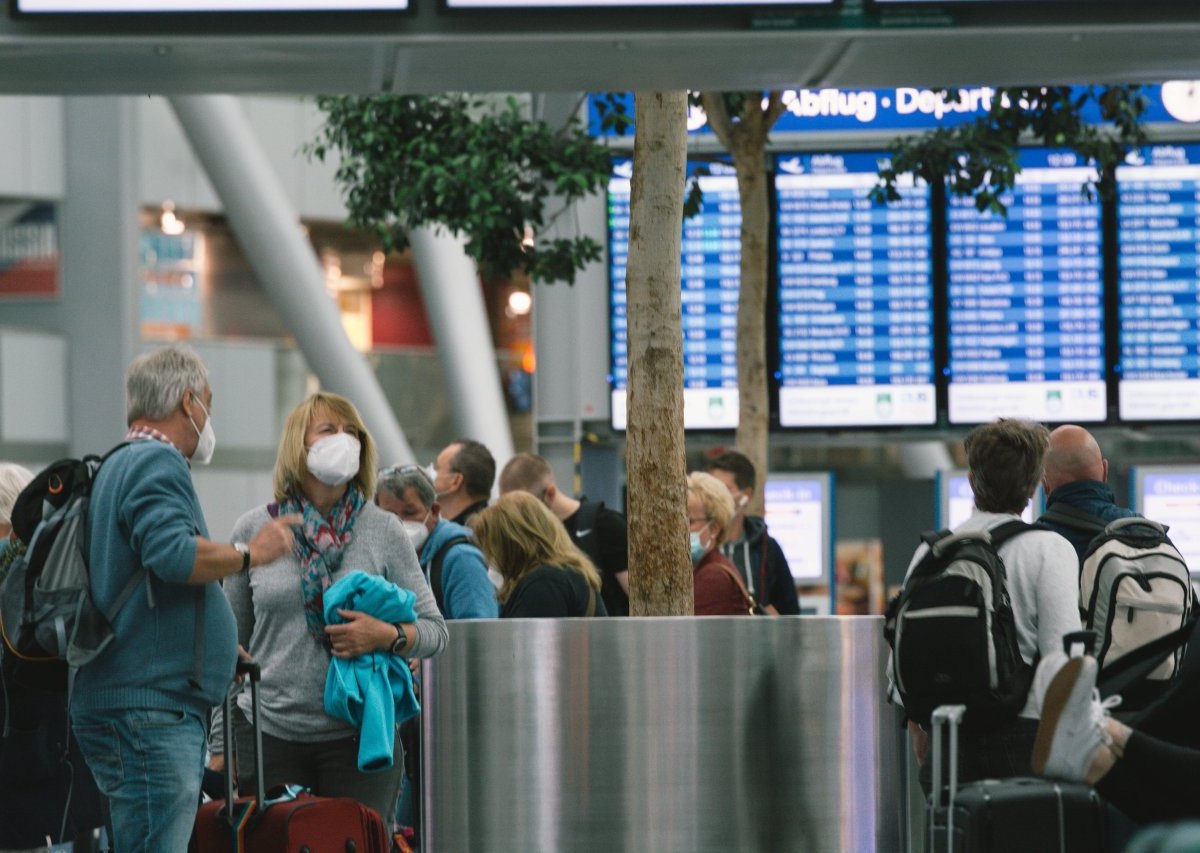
[(698, 549)]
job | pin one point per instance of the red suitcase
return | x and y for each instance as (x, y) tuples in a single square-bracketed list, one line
[(293, 821)]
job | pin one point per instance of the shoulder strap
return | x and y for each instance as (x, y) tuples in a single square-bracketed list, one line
[(1001, 533), (1076, 519), (1143, 660), (931, 536), (435, 566), (741, 585), (591, 605)]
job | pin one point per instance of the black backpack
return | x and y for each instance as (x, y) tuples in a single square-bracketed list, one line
[(46, 608), (952, 632)]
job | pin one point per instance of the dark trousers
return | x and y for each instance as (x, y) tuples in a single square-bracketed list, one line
[(998, 754), (46, 788), (329, 768)]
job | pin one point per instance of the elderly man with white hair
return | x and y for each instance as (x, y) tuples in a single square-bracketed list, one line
[(13, 478)]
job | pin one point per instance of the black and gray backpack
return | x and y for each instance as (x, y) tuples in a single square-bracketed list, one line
[(952, 631)]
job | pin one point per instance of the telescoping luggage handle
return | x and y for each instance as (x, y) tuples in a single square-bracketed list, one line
[(942, 715), (239, 822)]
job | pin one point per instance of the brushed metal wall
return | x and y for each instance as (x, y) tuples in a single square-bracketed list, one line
[(684, 734)]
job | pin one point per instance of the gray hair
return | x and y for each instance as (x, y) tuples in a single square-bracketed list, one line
[(13, 478), (400, 477), (156, 382)]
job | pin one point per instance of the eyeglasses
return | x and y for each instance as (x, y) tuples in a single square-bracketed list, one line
[(693, 521), (403, 470)]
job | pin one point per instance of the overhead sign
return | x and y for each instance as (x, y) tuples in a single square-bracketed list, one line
[(623, 4), (913, 108), (155, 7)]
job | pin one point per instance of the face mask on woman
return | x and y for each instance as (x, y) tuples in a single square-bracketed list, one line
[(698, 548), (334, 459)]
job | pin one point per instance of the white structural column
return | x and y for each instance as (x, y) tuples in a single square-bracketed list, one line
[(454, 303), (99, 266), (923, 459), (268, 229)]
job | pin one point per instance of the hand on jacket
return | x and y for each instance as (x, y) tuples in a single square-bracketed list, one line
[(360, 634)]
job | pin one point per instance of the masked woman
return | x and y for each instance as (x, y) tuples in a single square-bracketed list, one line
[(325, 471), (719, 589)]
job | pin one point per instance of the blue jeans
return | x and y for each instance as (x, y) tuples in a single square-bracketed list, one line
[(149, 763)]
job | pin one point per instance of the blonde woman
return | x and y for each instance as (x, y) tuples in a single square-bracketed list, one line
[(719, 589), (325, 472), (545, 575)]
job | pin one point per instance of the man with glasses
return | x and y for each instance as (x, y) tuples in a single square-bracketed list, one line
[(462, 476), (455, 568)]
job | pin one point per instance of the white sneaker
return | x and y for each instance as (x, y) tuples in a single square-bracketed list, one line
[(1046, 670), (1074, 724)]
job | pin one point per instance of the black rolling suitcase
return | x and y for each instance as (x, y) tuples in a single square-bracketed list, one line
[(1029, 815)]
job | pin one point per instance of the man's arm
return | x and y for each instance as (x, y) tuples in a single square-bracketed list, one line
[(215, 560), (782, 594)]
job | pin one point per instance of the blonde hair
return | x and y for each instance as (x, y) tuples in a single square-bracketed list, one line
[(291, 463), (519, 533), (716, 500)]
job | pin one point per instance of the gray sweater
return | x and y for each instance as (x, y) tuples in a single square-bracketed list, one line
[(268, 607)]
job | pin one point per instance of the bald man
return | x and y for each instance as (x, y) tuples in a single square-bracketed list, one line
[(1078, 502)]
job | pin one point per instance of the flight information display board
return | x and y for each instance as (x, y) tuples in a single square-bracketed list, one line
[(855, 296), (155, 7), (956, 500), (1158, 284), (1026, 299), (712, 251), (631, 4), (1171, 496), (799, 512)]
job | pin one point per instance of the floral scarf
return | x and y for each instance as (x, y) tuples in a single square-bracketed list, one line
[(319, 548)]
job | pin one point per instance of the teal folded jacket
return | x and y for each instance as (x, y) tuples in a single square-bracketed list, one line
[(372, 691)]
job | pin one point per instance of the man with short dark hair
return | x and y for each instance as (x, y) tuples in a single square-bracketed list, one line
[(1078, 498), (758, 557), (139, 708), (1004, 462), (594, 528), (462, 476)]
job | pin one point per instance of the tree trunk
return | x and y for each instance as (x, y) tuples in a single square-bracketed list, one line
[(754, 413), (660, 568)]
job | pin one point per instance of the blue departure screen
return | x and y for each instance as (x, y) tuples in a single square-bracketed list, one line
[(1026, 299), (855, 296), (712, 251), (1158, 283)]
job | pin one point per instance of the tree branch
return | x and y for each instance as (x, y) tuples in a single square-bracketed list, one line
[(718, 118)]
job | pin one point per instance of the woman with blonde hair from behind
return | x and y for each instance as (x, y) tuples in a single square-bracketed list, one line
[(545, 575)]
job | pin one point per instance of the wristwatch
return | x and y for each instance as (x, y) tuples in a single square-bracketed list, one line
[(401, 643), (243, 549)]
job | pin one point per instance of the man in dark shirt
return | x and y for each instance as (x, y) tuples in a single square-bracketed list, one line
[(757, 556), (1074, 479), (595, 529), (462, 476)]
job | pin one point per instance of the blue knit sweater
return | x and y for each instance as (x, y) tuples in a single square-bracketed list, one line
[(373, 691), (144, 512)]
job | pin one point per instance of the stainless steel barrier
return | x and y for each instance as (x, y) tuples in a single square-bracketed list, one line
[(684, 734)]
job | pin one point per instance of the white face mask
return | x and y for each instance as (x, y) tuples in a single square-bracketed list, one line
[(334, 459), (417, 533), (208, 439)]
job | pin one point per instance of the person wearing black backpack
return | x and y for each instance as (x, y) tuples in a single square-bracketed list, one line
[(1078, 500), (595, 529), (1035, 593)]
